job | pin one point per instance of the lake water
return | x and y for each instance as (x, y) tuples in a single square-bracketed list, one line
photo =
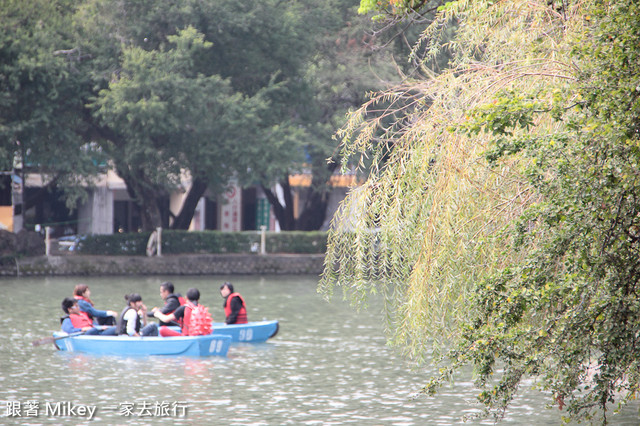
[(328, 365)]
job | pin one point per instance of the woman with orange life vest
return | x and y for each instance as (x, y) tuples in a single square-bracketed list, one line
[(82, 294), (133, 320), (194, 318), (76, 321), (235, 310)]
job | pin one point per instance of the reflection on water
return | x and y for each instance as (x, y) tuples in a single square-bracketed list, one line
[(327, 365)]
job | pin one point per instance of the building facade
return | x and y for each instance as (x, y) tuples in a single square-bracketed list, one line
[(109, 208)]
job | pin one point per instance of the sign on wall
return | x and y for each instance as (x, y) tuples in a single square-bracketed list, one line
[(230, 209)]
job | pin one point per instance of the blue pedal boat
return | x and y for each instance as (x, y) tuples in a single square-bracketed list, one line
[(251, 332), (197, 346)]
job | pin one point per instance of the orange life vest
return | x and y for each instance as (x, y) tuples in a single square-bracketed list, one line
[(79, 320), (197, 320), (242, 315)]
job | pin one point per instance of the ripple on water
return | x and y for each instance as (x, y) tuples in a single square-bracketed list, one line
[(327, 365)]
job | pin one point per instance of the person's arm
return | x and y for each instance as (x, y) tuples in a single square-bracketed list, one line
[(96, 313), (236, 305), (162, 317), (171, 305), (67, 326), (143, 314)]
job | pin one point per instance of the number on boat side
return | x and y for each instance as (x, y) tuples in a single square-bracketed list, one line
[(215, 346), (245, 335)]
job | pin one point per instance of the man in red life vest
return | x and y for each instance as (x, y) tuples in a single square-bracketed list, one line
[(172, 302), (235, 310), (76, 321)]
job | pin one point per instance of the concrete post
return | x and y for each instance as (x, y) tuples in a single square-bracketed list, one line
[(263, 239), (159, 250), (47, 240)]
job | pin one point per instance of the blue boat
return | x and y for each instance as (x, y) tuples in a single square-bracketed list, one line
[(254, 332), (211, 344), (251, 332)]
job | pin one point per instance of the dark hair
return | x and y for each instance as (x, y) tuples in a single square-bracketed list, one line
[(168, 286), (67, 303), (133, 297), (193, 294), (228, 285)]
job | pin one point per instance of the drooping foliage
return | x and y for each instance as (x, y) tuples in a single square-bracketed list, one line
[(503, 228)]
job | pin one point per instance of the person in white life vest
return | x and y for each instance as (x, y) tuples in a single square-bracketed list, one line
[(133, 320)]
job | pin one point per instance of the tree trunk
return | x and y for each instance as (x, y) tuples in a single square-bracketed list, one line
[(197, 190), (284, 213), (314, 212), (146, 197), (149, 210)]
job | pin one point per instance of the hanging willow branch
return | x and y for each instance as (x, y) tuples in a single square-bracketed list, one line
[(423, 229)]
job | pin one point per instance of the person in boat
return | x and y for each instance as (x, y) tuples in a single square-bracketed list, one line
[(235, 310), (172, 301), (194, 318), (133, 319), (75, 321), (82, 294)]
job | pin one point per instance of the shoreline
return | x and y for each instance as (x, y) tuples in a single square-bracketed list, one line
[(182, 264)]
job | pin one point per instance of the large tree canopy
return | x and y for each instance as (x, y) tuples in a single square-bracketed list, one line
[(502, 229), (160, 117), (217, 90), (42, 87), (178, 94)]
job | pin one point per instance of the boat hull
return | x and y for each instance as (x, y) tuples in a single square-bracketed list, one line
[(209, 345), (251, 332)]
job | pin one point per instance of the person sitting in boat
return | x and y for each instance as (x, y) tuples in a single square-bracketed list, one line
[(194, 318), (82, 294), (75, 321), (235, 310), (133, 319), (172, 301)]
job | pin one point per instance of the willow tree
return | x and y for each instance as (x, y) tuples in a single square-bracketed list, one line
[(502, 227)]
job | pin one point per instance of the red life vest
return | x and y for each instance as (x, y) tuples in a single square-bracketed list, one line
[(242, 315), (79, 320), (86, 314), (197, 320)]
